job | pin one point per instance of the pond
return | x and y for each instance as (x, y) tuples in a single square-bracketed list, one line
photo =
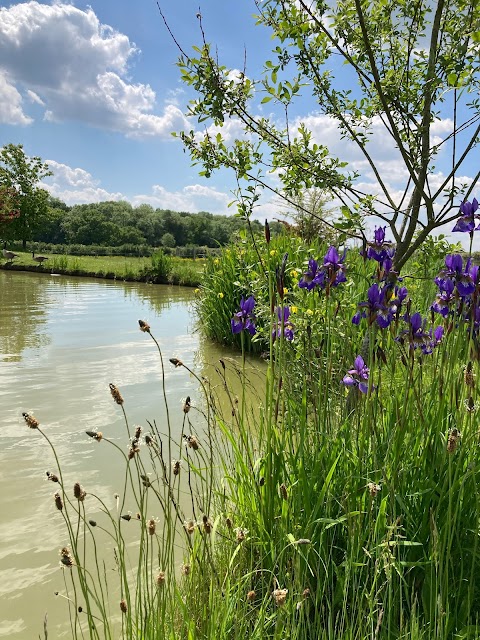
[(62, 341)]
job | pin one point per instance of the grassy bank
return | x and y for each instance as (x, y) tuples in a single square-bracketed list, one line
[(342, 505), (157, 268)]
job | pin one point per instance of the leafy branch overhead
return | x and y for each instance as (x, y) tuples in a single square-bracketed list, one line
[(395, 66)]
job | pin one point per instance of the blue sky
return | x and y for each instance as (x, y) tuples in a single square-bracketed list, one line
[(94, 90)]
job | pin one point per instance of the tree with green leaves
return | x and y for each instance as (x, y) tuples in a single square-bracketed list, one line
[(393, 73), (22, 175)]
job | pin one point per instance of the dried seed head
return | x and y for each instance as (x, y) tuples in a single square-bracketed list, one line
[(241, 534), (261, 482), (189, 526), (134, 448), (283, 491), (96, 435), (146, 481), (228, 523), (80, 609), (31, 421), (78, 492), (251, 596), (176, 362), (58, 501), (126, 517), (185, 570), (151, 526), (470, 405), (116, 395), (144, 326), (280, 596), (469, 376), (149, 440), (66, 557), (138, 432), (138, 516), (306, 593), (207, 524), (160, 579), (373, 488), (123, 605), (92, 523), (453, 438), (176, 467), (192, 442), (52, 477)]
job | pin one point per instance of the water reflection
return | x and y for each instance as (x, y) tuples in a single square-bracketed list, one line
[(62, 341)]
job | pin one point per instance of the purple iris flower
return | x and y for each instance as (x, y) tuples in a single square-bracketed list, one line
[(466, 222), (334, 267), (283, 324), (444, 298), (460, 275), (379, 249), (418, 337), (245, 319), (358, 376), (374, 308), (312, 277)]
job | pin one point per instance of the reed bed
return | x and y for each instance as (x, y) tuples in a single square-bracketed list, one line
[(338, 500)]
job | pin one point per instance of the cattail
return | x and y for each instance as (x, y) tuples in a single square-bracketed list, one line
[(280, 596), (52, 477), (123, 605), (283, 491), (116, 395), (78, 492), (373, 488), (192, 442), (144, 326), (185, 570), (189, 526), (453, 438), (176, 467), (160, 579), (58, 501), (469, 376), (176, 362), (151, 526), (187, 405), (251, 596), (66, 557), (138, 432), (96, 435), (31, 421), (207, 524)]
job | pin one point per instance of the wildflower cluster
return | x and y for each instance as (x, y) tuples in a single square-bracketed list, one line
[(358, 376), (330, 274), (458, 291)]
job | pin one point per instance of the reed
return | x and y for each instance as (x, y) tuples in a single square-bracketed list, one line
[(339, 501)]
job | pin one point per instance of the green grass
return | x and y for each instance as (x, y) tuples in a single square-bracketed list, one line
[(183, 271), (316, 511)]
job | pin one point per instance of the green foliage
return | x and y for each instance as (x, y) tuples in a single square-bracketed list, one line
[(160, 269), (22, 174), (395, 66)]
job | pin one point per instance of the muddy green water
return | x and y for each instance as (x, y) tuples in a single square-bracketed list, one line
[(62, 341)]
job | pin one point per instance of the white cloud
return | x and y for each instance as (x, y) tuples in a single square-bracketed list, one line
[(11, 104), (77, 186), (65, 59)]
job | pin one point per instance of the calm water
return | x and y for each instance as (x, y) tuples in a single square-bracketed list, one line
[(62, 341)]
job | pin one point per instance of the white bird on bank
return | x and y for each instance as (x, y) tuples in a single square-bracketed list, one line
[(39, 259), (8, 255)]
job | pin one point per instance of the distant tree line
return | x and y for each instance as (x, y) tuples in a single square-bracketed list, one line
[(118, 223)]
